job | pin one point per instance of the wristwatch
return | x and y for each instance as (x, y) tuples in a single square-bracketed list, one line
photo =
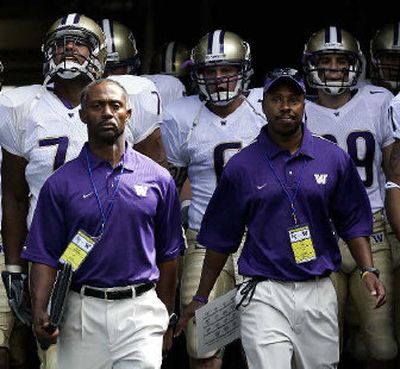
[(369, 270), (173, 319)]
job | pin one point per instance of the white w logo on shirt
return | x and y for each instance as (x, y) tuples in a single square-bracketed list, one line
[(320, 178), (141, 190)]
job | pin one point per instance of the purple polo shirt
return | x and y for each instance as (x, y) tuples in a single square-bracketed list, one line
[(143, 228), (249, 195)]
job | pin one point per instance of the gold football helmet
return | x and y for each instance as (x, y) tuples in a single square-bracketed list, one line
[(221, 48), (385, 56), (328, 41), (121, 47), (171, 59), (81, 30), (1, 75)]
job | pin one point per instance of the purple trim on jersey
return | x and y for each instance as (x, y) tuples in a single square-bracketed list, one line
[(210, 42), (64, 19), (250, 197), (77, 18), (221, 42), (142, 230)]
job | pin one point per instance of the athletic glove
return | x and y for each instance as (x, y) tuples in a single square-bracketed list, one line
[(185, 213), (14, 283)]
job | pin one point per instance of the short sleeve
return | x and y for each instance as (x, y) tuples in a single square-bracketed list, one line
[(223, 224), (47, 235), (169, 232), (174, 141)]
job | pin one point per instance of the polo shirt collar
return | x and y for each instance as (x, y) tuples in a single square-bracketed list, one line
[(306, 147), (129, 156)]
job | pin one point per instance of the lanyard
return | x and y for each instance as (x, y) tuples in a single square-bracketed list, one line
[(285, 190), (104, 214)]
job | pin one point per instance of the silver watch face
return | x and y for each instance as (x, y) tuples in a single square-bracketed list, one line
[(173, 319), (371, 270)]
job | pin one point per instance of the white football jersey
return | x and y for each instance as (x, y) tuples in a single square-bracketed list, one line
[(395, 116), (362, 128), (35, 125), (196, 138), (170, 87), (145, 101)]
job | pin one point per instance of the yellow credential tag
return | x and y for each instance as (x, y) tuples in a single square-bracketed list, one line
[(302, 245), (78, 249)]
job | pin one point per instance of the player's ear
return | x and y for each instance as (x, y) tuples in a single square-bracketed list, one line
[(128, 113), (82, 115)]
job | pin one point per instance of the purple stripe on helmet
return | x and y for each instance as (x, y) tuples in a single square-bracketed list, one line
[(221, 42), (77, 18), (111, 23), (64, 19), (210, 42), (327, 35), (396, 34), (164, 58), (174, 52), (338, 35)]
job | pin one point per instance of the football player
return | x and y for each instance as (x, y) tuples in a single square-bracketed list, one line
[(6, 319), (357, 120), (40, 129), (385, 57), (173, 59), (123, 65), (200, 134)]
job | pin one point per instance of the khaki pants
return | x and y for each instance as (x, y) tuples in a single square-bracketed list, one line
[(376, 326), (192, 265)]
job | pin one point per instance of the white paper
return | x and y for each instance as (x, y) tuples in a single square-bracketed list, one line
[(217, 323)]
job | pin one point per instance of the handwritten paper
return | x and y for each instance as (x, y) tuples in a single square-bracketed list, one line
[(217, 323)]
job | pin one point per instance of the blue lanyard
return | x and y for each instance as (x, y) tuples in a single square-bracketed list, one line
[(285, 190), (104, 215)]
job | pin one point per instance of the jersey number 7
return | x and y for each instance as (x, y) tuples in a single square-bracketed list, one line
[(61, 153)]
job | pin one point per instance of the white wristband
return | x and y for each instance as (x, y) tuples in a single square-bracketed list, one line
[(12, 268), (389, 185), (185, 203)]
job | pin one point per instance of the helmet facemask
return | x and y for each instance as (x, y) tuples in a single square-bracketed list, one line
[(386, 69), (56, 45), (317, 76), (221, 90)]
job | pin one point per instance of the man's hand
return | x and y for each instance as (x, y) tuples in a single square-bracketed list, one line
[(187, 314), (15, 284), (376, 288), (167, 341), (45, 333)]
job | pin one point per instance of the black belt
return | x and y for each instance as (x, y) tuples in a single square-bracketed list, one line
[(123, 293)]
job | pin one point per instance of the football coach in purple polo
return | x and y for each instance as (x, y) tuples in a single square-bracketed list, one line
[(289, 189), (114, 215)]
